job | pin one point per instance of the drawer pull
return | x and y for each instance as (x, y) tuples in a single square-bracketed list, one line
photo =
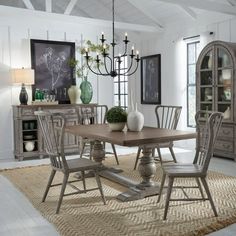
[(226, 132), (226, 146)]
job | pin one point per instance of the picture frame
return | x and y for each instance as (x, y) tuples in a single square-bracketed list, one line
[(151, 79), (53, 73)]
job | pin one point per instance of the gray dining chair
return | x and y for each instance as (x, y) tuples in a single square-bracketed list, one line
[(167, 117), (208, 125), (97, 115), (52, 127)]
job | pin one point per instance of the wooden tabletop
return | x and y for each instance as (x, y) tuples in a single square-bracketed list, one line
[(148, 135)]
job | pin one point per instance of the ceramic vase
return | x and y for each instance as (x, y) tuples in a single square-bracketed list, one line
[(227, 113), (135, 120), (74, 94), (86, 91)]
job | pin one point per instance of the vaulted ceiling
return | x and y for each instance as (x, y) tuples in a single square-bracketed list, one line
[(155, 13)]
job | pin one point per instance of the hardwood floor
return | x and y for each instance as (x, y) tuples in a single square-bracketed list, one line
[(18, 217)]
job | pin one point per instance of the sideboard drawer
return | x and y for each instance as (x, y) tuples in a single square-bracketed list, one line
[(27, 112), (224, 145), (226, 132)]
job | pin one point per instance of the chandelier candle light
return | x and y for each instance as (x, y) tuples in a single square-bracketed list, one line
[(111, 64)]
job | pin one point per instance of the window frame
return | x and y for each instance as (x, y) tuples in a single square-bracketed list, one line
[(123, 79), (196, 43)]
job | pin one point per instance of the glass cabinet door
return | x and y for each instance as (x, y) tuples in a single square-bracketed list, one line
[(206, 82), (224, 83)]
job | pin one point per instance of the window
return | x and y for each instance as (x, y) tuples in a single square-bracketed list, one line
[(121, 87), (192, 55)]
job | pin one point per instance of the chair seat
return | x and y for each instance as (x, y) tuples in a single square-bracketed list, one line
[(80, 164), (182, 170)]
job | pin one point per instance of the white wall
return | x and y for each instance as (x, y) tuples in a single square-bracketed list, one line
[(172, 48), (17, 27)]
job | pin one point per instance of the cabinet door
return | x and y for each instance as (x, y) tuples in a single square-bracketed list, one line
[(224, 83), (206, 83)]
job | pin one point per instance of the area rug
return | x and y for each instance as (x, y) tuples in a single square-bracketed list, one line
[(86, 215)]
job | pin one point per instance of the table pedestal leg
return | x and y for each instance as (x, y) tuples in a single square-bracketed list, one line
[(147, 187)]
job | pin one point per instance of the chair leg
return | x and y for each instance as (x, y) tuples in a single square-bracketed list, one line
[(173, 154), (159, 154), (53, 172), (200, 187), (169, 189), (63, 187), (161, 187), (115, 154), (137, 157), (204, 182), (82, 151), (100, 186), (83, 179)]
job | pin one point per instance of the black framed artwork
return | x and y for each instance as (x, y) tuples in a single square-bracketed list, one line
[(151, 79), (50, 60)]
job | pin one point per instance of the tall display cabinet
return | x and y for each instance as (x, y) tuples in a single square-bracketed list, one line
[(216, 86)]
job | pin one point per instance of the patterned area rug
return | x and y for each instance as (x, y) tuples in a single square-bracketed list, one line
[(85, 214)]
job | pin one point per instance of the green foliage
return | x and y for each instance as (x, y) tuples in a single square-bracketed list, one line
[(81, 66), (116, 115)]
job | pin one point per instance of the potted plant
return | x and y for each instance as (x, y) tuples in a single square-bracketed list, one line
[(116, 118)]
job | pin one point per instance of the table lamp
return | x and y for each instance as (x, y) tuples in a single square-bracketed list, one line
[(24, 77)]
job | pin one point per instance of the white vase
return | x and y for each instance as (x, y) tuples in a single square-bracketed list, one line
[(135, 120), (227, 113), (74, 94)]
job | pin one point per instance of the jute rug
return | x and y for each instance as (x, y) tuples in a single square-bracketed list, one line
[(86, 215)]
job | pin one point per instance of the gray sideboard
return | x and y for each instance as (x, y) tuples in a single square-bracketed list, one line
[(28, 142)]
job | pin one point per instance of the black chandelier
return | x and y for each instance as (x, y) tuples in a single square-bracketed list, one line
[(111, 64)]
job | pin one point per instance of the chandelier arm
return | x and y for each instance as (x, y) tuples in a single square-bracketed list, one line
[(92, 69), (125, 52), (131, 64), (126, 74), (105, 64)]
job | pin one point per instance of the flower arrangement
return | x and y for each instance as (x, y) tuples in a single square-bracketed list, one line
[(81, 67)]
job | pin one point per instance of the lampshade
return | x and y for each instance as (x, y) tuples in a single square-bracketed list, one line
[(25, 76)]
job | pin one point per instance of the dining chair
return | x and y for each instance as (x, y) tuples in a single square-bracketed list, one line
[(167, 117), (97, 115), (207, 125), (52, 126)]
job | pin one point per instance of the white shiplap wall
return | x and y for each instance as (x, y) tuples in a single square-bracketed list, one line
[(16, 30)]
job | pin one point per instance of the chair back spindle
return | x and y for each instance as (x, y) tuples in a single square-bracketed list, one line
[(52, 127), (207, 126), (167, 116)]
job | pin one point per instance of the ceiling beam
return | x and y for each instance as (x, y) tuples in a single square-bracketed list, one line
[(189, 12), (28, 4), (231, 2), (143, 8), (70, 7), (48, 4), (42, 18), (109, 9), (204, 5)]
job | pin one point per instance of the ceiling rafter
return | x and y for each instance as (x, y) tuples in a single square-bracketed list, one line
[(70, 7), (143, 8), (117, 16), (48, 5), (189, 12), (28, 4), (231, 2), (204, 5)]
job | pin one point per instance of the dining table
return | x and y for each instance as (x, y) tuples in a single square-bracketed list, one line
[(145, 138)]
